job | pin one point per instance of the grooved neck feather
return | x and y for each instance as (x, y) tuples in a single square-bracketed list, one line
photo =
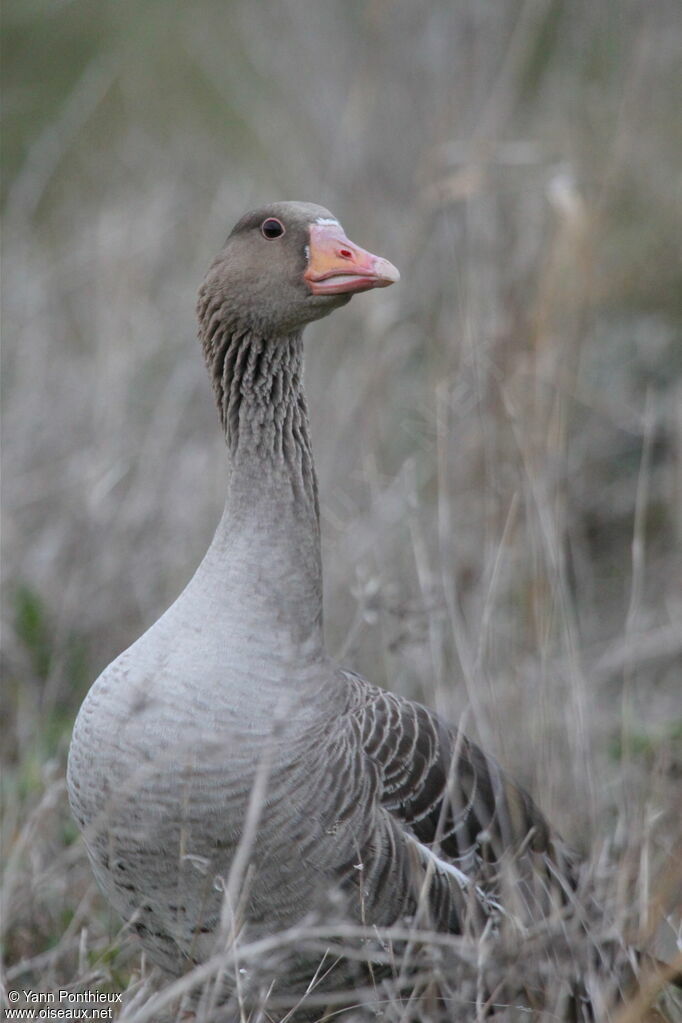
[(269, 538)]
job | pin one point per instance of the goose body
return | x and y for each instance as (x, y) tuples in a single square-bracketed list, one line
[(231, 692)]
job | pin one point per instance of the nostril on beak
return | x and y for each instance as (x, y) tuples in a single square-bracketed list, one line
[(346, 253)]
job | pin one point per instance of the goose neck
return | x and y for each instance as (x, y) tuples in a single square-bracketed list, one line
[(268, 542)]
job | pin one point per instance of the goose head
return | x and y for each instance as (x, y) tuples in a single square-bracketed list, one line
[(285, 265)]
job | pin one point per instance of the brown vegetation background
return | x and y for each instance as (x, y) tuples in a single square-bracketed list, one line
[(498, 438)]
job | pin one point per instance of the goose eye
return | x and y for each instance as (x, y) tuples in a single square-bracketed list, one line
[(272, 228)]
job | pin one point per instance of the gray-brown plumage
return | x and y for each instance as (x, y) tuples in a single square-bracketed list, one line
[(231, 689)]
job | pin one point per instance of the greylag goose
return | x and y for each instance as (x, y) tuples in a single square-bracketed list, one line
[(225, 753)]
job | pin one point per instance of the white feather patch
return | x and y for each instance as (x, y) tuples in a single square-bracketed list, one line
[(464, 881)]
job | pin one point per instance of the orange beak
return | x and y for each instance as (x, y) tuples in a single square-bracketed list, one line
[(337, 267)]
